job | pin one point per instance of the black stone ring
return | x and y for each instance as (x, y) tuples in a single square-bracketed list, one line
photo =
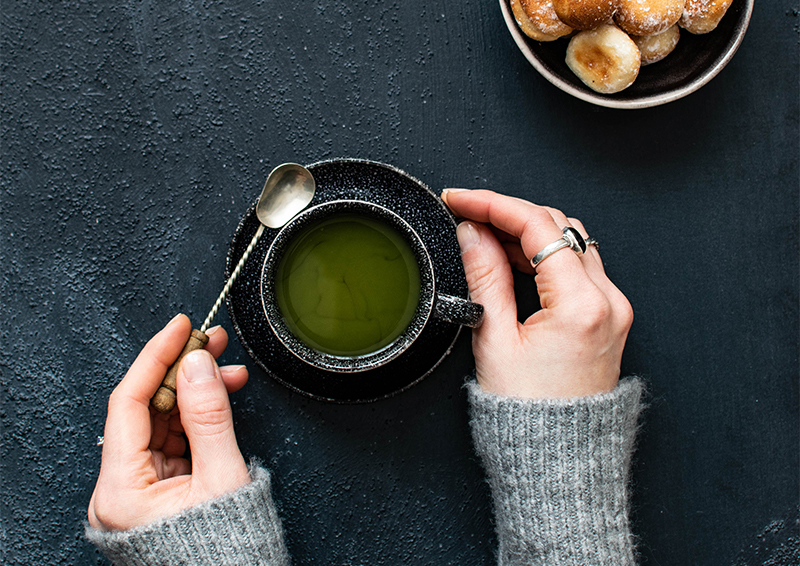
[(571, 239)]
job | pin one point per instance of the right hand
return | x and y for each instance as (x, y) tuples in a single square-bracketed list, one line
[(143, 475), (572, 347)]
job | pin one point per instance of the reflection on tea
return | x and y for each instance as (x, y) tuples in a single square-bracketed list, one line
[(348, 285)]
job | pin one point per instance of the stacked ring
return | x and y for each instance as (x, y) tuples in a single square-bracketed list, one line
[(571, 239)]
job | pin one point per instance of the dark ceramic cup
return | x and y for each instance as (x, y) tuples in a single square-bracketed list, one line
[(430, 304)]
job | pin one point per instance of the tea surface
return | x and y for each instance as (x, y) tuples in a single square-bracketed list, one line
[(348, 285)]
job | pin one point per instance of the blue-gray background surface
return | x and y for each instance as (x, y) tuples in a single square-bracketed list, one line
[(135, 134)]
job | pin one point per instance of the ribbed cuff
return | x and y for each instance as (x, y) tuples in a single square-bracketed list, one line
[(238, 528), (558, 471)]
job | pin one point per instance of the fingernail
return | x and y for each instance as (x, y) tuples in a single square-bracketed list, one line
[(468, 236), (198, 366), (447, 192), (233, 368), (174, 318), (212, 330)]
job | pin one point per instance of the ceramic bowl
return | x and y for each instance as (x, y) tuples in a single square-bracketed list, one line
[(695, 61)]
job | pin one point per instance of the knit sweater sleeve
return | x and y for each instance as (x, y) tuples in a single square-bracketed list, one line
[(558, 471), (238, 528)]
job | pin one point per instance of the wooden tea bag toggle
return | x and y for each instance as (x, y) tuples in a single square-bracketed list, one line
[(165, 398)]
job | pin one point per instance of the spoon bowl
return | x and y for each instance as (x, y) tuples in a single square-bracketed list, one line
[(287, 191)]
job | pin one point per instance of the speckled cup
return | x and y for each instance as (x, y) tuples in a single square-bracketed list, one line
[(431, 304)]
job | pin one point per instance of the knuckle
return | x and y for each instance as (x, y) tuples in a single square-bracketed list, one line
[(592, 315), (209, 417), (624, 312), (480, 279), (558, 217), (576, 224), (532, 234), (598, 313), (539, 215)]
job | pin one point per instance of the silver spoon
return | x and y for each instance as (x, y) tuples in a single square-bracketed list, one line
[(288, 190)]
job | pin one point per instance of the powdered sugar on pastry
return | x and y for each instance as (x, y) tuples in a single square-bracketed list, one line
[(703, 16), (543, 17), (526, 25), (647, 17), (655, 47)]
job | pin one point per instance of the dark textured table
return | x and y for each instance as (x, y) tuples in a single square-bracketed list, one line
[(135, 135)]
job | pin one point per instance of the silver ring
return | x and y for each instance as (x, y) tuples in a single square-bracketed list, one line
[(100, 440), (571, 239)]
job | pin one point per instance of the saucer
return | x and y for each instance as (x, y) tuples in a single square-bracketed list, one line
[(421, 208)]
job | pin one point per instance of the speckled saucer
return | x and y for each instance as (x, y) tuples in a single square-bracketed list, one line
[(422, 209)]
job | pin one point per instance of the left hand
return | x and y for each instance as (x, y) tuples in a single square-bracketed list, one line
[(143, 475)]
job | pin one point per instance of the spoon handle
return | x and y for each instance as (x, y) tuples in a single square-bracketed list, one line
[(232, 278), (165, 398)]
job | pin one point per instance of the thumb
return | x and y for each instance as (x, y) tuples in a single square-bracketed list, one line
[(207, 421), (489, 276)]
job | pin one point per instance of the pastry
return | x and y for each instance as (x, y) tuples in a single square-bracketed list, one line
[(605, 59), (647, 17), (616, 37), (537, 19), (584, 14), (702, 16), (657, 46)]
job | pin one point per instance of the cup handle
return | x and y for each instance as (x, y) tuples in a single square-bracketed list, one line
[(457, 310)]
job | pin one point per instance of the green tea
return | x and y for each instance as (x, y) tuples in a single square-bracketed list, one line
[(347, 285)]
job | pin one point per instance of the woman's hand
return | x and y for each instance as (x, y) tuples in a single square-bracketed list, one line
[(144, 475), (571, 347)]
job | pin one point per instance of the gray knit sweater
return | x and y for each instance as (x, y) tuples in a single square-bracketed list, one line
[(557, 469), (241, 528), (558, 472)]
